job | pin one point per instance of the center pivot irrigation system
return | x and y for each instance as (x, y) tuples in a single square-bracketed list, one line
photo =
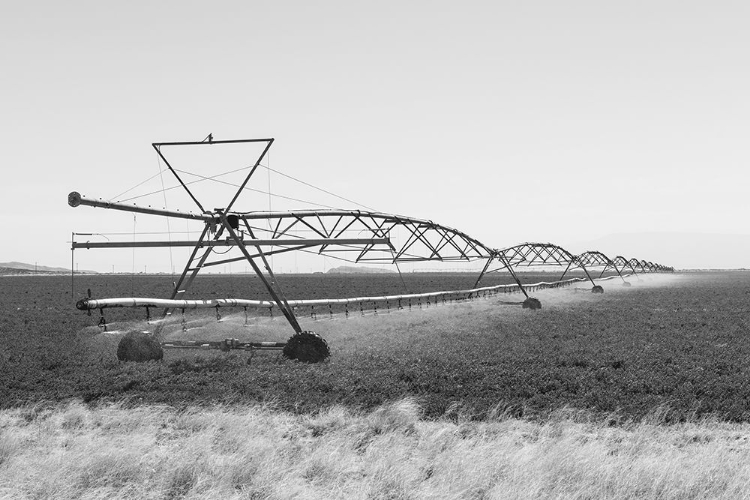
[(352, 235)]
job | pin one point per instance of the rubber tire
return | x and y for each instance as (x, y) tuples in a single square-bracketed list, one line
[(139, 347), (306, 347), (531, 303)]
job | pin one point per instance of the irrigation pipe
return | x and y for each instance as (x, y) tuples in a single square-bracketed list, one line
[(91, 304)]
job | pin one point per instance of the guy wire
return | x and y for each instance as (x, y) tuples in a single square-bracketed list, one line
[(132, 273), (164, 195), (316, 187), (268, 171)]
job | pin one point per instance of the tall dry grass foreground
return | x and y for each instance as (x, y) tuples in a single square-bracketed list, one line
[(256, 452)]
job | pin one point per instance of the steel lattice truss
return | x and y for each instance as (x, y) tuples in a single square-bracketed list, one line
[(621, 263), (528, 255), (548, 254), (536, 254), (351, 235), (420, 240), (595, 259), (635, 264), (643, 266)]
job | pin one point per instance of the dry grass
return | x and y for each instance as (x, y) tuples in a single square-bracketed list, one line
[(255, 452)]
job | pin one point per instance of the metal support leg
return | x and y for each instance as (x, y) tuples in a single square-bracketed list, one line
[(566, 271), (189, 273), (481, 275), (271, 285), (597, 288), (620, 275), (512, 273)]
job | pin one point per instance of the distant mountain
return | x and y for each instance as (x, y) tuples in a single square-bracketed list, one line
[(20, 266), (359, 270), (23, 268), (10, 271)]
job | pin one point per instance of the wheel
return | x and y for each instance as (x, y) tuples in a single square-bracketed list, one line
[(532, 303), (308, 347), (139, 347)]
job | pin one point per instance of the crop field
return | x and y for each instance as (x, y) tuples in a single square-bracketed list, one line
[(640, 392), (676, 344)]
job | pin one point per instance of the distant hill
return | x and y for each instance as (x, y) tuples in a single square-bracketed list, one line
[(23, 268), (5, 271), (20, 266), (359, 270)]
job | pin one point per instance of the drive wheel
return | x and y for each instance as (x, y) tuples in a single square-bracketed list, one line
[(307, 347)]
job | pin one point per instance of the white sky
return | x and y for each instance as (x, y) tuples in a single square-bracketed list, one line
[(511, 121)]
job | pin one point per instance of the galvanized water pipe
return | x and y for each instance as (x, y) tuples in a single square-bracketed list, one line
[(76, 199)]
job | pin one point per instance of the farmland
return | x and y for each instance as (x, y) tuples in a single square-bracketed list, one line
[(637, 393), (676, 344)]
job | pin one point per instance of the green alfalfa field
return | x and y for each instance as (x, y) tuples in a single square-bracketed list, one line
[(640, 392)]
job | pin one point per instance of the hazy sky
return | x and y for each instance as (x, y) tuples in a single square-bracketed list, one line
[(512, 121)]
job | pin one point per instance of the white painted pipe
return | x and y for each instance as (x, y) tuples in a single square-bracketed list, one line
[(89, 304)]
